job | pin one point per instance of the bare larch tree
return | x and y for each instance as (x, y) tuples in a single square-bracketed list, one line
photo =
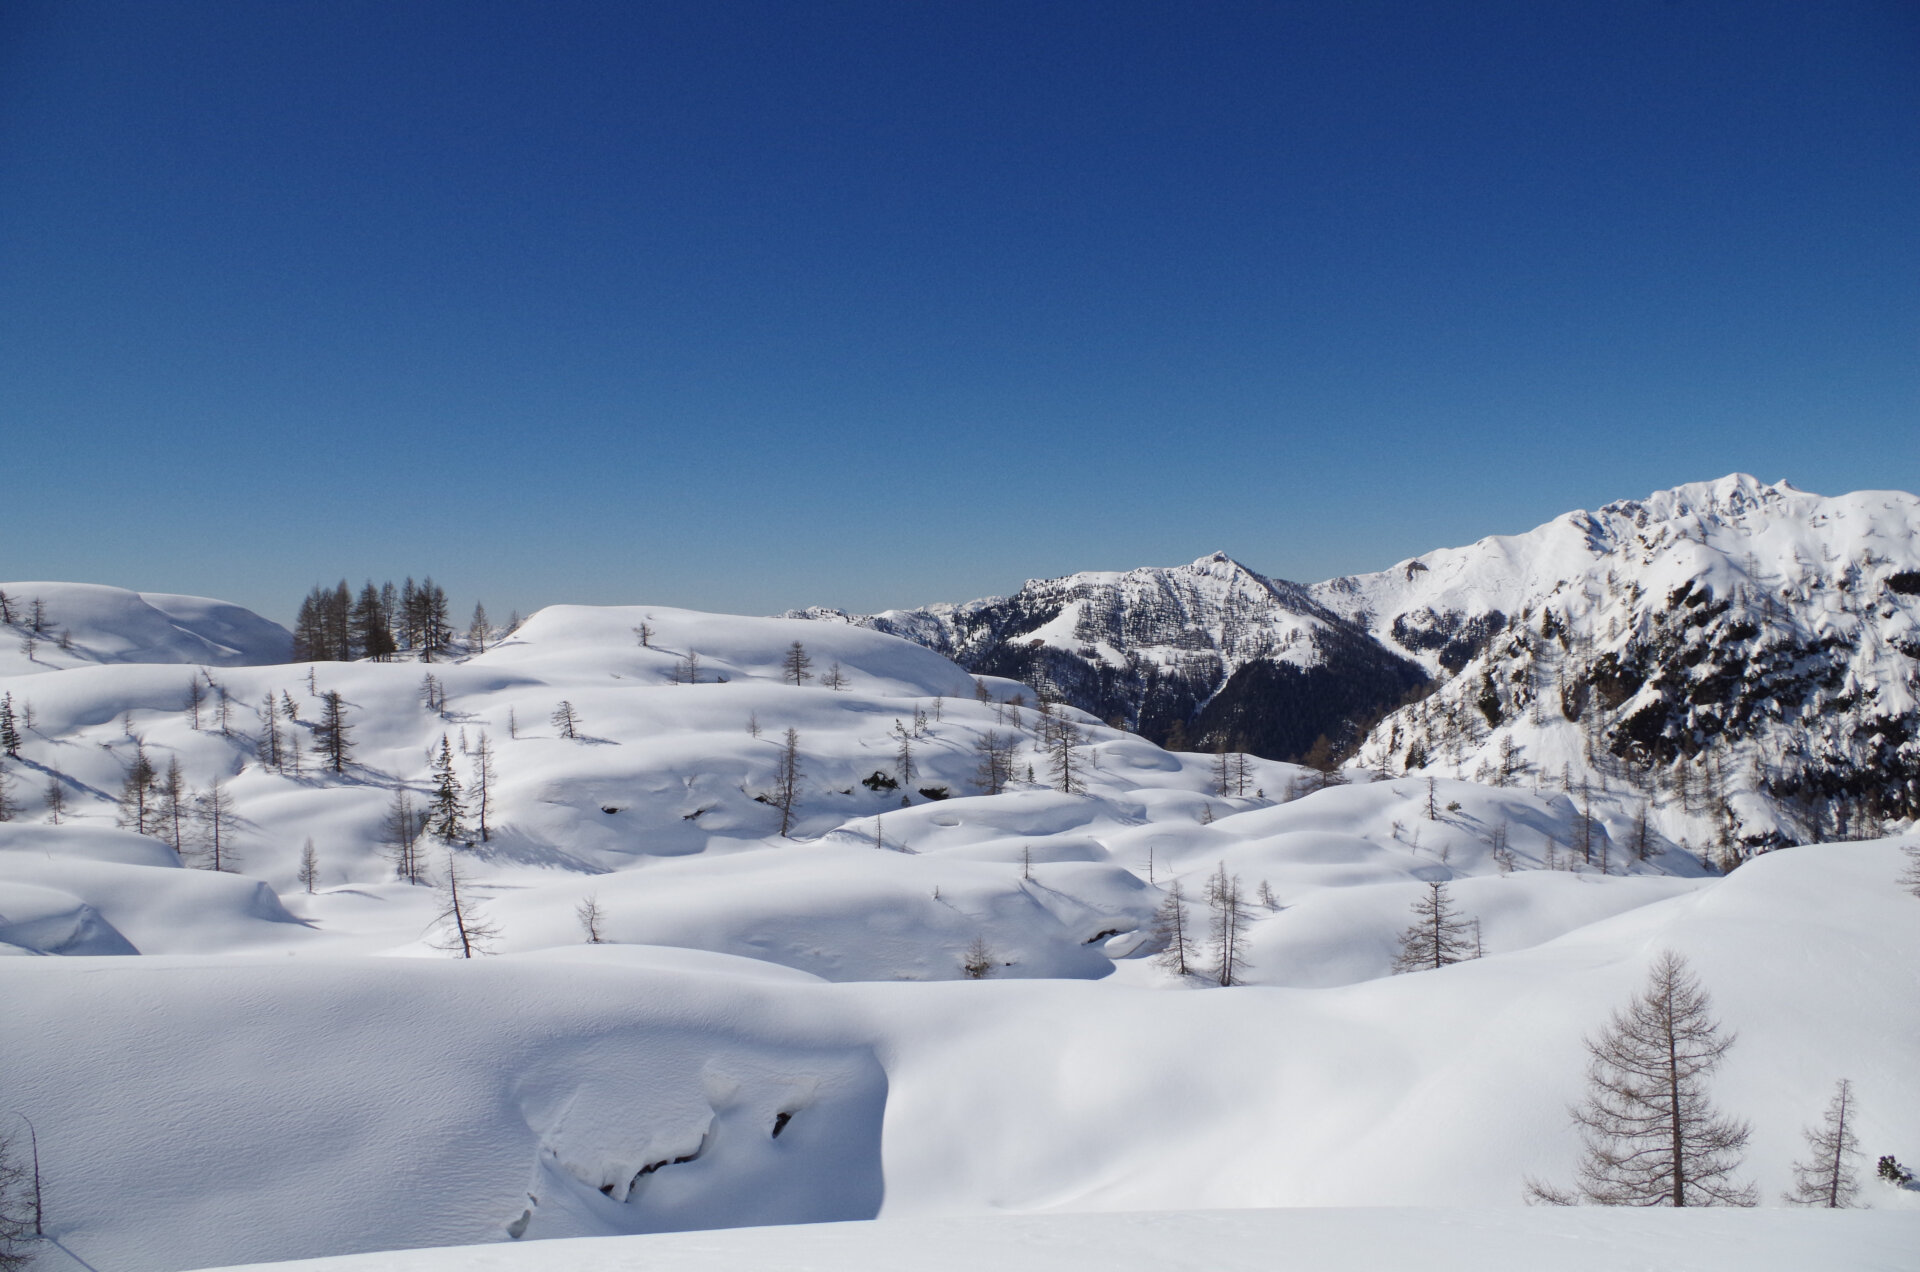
[(1827, 1178), (1650, 1134), (1437, 936)]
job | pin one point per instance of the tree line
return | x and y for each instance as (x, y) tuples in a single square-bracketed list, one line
[(335, 625)]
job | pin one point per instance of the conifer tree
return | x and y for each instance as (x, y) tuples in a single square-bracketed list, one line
[(1827, 1177), (1437, 936), (270, 749), (446, 814), (7, 805), (331, 733), (1650, 1134), (9, 727), (372, 624)]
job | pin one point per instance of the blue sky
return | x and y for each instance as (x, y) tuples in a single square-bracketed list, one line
[(743, 306)]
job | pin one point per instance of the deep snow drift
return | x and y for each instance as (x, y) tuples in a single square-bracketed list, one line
[(778, 1029)]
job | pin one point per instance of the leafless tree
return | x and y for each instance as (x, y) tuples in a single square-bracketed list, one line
[(214, 811), (19, 1202), (1437, 936), (1910, 877), (567, 720), (644, 634), (1227, 939), (1170, 929), (137, 793), (786, 782), (1066, 751), (795, 665), (401, 830), (7, 806), (481, 792), (467, 934), (834, 677), (1827, 1177), (903, 766), (1649, 1133), (995, 750), (309, 865), (978, 962), (196, 694), (56, 798), (588, 912)]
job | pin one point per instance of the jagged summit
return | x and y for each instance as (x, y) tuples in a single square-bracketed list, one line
[(1198, 654), (1748, 647)]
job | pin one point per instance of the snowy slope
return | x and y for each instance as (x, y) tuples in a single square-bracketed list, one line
[(88, 623), (228, 1067), (1208, 652), (1746, 655), (204, 1110), (1327, 1240)]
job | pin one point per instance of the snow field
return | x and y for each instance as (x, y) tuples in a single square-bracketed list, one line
[(262, 1085)]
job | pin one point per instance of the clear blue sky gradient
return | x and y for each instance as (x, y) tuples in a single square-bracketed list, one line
[(742, 306)]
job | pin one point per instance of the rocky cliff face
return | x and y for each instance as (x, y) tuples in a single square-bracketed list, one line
[(1191, 656), (1747, 655)]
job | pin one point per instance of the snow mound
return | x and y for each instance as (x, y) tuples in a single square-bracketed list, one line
[(90, 623)]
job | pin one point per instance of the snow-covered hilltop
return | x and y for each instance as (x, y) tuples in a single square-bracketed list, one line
[(1201, 654), (47, 626), (1746, 655)]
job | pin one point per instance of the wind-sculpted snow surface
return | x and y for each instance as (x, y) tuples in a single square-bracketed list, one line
[(1361, 1240), (280, 1060), (84, 623)]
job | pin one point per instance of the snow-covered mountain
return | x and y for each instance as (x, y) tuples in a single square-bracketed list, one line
[(1747, 655), (1205, 654), (53, 625)]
